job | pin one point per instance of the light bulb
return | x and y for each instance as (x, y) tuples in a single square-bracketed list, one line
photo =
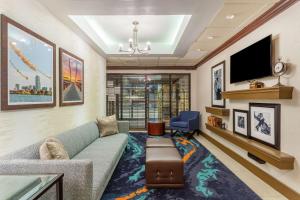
[(120, 47), (130, 40)]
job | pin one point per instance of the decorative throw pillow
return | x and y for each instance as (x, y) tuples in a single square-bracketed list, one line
[(108, 126), (53, 149)]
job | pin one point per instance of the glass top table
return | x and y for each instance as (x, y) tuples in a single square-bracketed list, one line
[(25, 187)]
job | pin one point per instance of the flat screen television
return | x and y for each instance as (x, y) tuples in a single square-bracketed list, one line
[(252, 62)]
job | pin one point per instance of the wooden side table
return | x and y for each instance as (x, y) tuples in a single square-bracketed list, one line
[(156, 128)]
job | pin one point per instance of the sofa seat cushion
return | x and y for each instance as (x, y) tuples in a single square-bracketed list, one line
[(105, 153), (180, 124)]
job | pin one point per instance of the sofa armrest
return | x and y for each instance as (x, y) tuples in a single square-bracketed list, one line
[(78, 174), (123, 126)]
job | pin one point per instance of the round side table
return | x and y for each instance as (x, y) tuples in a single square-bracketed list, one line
[(156, 128)]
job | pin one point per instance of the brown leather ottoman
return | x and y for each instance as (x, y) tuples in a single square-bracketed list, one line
[(164, 168), (159, 142)]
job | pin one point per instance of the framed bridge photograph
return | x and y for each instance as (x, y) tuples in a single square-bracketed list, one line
[(265, 123), (27, 68), (71, 79)]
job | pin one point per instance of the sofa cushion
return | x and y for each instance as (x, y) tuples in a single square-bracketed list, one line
[(53, 149), (180, 124), (108, 126), (105, 153), (78, 138)]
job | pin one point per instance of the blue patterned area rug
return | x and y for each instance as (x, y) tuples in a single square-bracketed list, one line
[(205, 176)]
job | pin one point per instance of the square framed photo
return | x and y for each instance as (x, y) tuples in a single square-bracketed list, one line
[(27, 68), (265, 123), (71, 79), (218, 85), (241, 122)]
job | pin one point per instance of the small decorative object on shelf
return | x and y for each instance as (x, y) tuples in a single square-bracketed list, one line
[(256, 84), (279, 69), (223, 126), (215, 121)]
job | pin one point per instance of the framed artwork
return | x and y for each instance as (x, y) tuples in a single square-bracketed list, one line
[(27, 68), (218, 85), (241, 122), (71, 78), (265, 123)]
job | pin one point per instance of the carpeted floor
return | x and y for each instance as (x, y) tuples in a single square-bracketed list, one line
[(205, 176)]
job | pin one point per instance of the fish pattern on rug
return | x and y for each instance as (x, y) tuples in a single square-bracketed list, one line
[(205, 176)]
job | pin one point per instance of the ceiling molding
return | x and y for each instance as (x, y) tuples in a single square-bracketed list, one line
[(278, 8), (151, 67)]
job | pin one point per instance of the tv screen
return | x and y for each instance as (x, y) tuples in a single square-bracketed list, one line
[(252, 62)]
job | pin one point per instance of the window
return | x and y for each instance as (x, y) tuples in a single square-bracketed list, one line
[(139, 98)]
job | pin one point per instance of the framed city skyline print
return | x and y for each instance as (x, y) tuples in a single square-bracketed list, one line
[(241, 122), (71, 78), (265, 123), (27, 68), (218, 85)]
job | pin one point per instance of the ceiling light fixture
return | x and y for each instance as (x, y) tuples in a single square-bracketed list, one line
[(230, 16), (133, 43), (210, 37)]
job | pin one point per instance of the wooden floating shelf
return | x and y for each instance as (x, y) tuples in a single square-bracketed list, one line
[(283, 92), (218, 111), (274, 157)]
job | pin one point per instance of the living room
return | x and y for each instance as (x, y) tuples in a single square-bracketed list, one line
[(188, 99)]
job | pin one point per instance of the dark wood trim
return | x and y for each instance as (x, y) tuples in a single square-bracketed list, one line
[(273, 156), (151, 67), (276, 9), (247, 122), (61, 103), (224, 83), (267, 178), (277, 121), (4, 66)]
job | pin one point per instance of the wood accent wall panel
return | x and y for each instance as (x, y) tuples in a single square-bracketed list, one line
[(274, 157), (267, 178)]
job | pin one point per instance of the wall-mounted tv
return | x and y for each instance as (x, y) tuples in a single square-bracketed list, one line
[(252, 62)]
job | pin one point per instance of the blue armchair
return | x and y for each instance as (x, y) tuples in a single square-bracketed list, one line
[(186, 122)]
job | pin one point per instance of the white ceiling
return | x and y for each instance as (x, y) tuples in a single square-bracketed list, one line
[(106, 23), (109, 31)]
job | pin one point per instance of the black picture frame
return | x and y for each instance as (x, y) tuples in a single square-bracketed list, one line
[(222, 100), (235, 111), (276, 123)]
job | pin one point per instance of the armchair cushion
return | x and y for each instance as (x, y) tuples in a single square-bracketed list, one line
[(181, 124)]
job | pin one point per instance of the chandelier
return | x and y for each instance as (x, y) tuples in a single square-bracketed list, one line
[(133, 43)]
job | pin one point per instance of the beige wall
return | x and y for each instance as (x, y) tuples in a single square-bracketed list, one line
[(23, 127), (286, 30), (193, 80)]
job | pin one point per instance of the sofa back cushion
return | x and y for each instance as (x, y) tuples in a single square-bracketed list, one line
[(74, 141)]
